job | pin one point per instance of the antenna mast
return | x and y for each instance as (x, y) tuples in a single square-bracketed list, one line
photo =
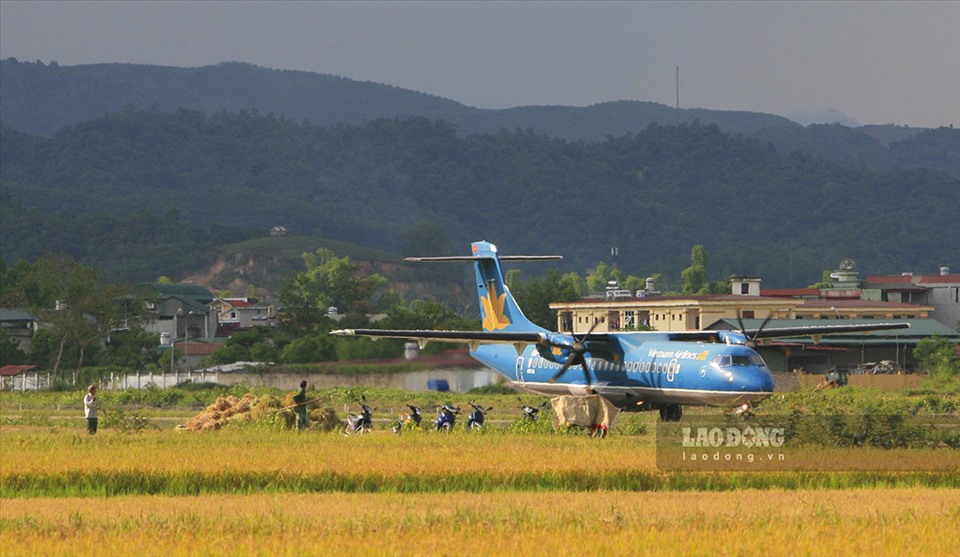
[(678, 96)]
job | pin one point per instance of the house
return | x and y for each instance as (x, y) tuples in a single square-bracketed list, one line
[(666, 313), (786, 308), (941, 292), (193, 351), (692, 313), (20, 325), (852, 351), (257, 314), (179, 310), (242, 313), (15, 377)]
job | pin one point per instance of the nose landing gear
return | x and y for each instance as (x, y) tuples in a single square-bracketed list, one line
[(671, 413)]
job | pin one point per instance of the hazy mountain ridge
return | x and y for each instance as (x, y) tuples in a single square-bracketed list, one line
[(42, 98)]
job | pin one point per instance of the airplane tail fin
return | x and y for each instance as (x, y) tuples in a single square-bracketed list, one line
[(498, 308)]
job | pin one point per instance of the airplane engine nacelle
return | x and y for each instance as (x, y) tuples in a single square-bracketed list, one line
[(733, 337), (556, 354)]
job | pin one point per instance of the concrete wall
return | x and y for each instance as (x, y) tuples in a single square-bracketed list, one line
[(881, 382), (459, 380)]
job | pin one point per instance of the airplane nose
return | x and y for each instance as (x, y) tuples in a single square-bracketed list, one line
[(760, 380)]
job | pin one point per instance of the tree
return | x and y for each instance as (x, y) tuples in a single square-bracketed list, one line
[(694, 277), (132, 348), (10, 352), (255, 344), (824, 281), (598, 277), (329, 281), (535, 296), (427, 238), (303, 350), (420, 314), (80, 311), (937, 356)]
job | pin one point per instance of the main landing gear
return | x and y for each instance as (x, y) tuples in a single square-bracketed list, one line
[(671, 413)]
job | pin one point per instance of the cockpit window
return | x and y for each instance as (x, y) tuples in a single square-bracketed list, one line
[(723, 361), (728, 360)]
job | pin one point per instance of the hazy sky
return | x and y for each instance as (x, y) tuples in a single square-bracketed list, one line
[(877, 62)]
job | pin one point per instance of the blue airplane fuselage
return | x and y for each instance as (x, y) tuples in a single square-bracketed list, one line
[(650, 370)]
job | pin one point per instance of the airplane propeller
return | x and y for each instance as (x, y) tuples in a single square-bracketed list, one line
[(577, 350), (752, 342)]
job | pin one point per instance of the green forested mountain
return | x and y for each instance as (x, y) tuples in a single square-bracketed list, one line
[(933, 149), (130, 190)]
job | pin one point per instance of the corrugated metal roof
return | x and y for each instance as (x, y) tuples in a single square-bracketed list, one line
[(195, 347), (919, 329), (190, 291), (891, 279), (859, 304), (939, 279), (913, 279), (15, 315), (12, 370), (739, 298), (790, 292)]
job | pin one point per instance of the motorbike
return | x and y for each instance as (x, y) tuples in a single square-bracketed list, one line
[(446, 417), (476, 418), (360, 423), (531, 412), (412, 419)]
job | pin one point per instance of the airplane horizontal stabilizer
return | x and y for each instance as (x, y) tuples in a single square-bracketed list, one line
[(471, 258), (824, 330), (481, 337)]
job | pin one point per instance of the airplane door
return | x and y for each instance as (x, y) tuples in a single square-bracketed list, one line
[(519, 369)]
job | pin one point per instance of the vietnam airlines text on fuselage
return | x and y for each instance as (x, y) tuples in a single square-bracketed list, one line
[(695, 373)]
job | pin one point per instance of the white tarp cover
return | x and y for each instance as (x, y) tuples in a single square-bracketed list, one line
[(588, 411)]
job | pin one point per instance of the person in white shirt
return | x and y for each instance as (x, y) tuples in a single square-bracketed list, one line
[(90, 405)]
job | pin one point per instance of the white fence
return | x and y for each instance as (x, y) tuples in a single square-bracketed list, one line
[(26, 381), (458, 379)]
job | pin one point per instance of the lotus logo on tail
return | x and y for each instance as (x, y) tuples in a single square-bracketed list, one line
[(493, 317)]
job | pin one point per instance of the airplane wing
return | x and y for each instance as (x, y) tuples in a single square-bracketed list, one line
[(483, 337), (818, 330), (471, 338), (814, 331), (518, 339), (523, 338)]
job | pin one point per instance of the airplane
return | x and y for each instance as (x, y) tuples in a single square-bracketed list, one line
[(635, 370)]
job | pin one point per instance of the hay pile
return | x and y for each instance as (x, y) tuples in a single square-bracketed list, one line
[(224, 410), (266, 409), (324, 419)]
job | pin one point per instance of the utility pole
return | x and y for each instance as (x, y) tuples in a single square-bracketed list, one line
[(678, 97)]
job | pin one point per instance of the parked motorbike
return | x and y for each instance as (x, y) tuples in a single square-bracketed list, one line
[(360, 423), (476, 418), (531, 412), (446, 417), (411, 420)]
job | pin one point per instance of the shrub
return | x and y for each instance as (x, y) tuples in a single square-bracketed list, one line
[(938, 357)]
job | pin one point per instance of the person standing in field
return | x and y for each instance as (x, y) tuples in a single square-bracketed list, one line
[(90, 405), (301, 408)]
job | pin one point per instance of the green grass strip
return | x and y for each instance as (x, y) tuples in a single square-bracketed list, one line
[(116, 483)]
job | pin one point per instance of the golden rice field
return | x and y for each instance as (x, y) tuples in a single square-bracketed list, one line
[(907, 521), (260, 492)]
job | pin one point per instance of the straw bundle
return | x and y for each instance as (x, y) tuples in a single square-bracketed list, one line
[(324, 419), (224, 410)]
